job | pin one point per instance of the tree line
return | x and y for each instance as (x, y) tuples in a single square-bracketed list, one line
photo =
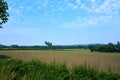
[(38, 47), (110, 47)]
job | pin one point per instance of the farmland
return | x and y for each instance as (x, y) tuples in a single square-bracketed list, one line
[(78, 64), (70, 57)]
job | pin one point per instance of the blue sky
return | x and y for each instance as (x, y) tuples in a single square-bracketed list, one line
[(61, 22)]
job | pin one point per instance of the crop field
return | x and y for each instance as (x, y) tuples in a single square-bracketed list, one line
[(70, 57)]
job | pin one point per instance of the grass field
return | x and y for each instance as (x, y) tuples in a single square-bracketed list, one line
[(70, 57)]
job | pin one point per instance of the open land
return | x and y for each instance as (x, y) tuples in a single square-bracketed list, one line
[(70, 57)]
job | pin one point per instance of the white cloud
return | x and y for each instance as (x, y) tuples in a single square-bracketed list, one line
[(45, 3), (93, 1), (108, 7), (29, 8), (79, 23), (21, 7), (105, 19), (89, 21), (78, 2), (95, 11)]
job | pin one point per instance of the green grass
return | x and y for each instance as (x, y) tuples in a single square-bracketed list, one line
[(13, 69)]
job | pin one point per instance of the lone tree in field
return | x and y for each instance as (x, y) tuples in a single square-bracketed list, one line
[(49, 44), (3, 12)]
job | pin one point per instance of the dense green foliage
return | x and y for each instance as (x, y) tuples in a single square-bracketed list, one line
[(110, 47), (3, 12), (36, 70), (49, 44), (38, 47)]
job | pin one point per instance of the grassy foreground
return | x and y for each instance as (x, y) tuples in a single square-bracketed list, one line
[(13, 69), (100, 59)]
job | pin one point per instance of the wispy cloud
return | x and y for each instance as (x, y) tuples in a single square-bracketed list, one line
[(39, 20), (85, 22), (98, 11)]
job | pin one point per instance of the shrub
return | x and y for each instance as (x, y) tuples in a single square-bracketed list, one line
[(11, 69)]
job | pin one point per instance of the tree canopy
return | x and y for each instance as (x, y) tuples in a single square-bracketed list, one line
[(49, 44), (3, 12), (110, 47)]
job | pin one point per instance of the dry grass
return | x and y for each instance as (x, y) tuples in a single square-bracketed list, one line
[(101, 60)]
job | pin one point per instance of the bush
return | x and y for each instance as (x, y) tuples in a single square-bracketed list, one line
[(85, 72), (11, 69)]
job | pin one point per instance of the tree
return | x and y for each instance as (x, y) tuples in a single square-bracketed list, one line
[(14, 46), (49, 44), (118, 43), (3, 12), (118, 46)]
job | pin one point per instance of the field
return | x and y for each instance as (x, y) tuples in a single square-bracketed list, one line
[(70, 57)]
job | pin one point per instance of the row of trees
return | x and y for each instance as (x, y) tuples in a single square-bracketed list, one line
[(48, 44), (110, 47), (38, 47)]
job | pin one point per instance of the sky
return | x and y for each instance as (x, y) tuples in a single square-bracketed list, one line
[(62, 22)]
